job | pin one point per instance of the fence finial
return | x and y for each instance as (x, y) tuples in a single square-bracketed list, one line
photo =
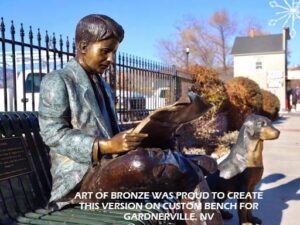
[(74, 46), (12, 28), (54, 41), (2, 25), (39, 37), (30, 33), (60, 41), (22, 33)]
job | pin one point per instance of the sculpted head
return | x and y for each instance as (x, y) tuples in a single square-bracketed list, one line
[(97, 39)]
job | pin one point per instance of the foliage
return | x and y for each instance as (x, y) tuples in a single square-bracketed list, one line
[(207, 83), (202, 134), (253, 27), (271, 105), (224, 27), (208, 41), (244, 98), (192, 34)]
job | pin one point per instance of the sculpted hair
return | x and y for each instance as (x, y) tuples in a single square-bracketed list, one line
[(96, 27)]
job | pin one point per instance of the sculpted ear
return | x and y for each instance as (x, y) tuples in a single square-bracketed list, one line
[(250, 130), (82, 46), (236, 164)]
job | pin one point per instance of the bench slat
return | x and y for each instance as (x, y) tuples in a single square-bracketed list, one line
[(25, 124), (69, 219), (24, 220), (24, 196), (98, 215)]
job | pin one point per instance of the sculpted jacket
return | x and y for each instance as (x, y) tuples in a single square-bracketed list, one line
[(70, 120)]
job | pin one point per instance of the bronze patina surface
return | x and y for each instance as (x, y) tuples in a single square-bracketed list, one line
[(150, 168), (78, 122), (164, 121), (243, 168)]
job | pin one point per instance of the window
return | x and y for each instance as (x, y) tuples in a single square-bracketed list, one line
[(33, 79), (258, 65), (163, 94)]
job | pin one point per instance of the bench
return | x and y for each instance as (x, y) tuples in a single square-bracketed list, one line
[(25, 179)]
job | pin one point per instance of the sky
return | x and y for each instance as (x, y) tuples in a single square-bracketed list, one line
[(145, 22)]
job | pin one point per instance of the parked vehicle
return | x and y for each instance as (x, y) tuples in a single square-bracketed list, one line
[(161, 97), (130, 106), (25, 92)]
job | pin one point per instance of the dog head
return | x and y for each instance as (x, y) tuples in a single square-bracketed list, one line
[(247, 152), (260, 128)]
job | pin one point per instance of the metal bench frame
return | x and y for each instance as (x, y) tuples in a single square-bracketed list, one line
[(23, 198)]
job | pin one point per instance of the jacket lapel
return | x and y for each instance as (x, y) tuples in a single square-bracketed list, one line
[(89, 97), (108, 94)]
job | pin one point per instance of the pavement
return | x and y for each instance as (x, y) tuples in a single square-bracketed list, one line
[(281, 180)]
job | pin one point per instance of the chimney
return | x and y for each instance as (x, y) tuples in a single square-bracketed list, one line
[(285, 37), (251, 32)]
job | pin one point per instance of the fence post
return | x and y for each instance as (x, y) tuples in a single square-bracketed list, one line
[(177, 83), (113, 76), (4, 63)]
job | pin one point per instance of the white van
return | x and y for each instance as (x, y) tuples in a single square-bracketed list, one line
[(32, 90), (31, 86), (160, 97)]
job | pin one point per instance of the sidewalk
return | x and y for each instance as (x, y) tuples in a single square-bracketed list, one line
[(281, 179)]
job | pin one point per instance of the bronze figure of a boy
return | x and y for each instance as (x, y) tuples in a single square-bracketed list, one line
[(78, 122), (76, 112)]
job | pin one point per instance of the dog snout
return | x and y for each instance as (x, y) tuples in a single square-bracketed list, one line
[(269, 133)]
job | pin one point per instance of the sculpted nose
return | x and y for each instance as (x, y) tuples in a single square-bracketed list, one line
[(276, 132), (111, 57)]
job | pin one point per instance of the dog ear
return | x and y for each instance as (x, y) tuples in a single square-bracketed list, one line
[(250, 130), (233, 165)]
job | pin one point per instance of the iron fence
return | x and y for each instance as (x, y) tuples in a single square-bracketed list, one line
[(139, 85)]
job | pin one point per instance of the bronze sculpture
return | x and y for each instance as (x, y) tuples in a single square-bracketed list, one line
[(151, 168), (243, 168), (78, 122), (166, 120), (154, 169), (76, 112)]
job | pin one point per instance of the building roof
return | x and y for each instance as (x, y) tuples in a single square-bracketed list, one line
[(258, 44)]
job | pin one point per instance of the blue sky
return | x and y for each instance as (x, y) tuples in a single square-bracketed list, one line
[(145, 22)]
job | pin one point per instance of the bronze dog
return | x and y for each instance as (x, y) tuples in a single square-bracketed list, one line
[(243, 168)]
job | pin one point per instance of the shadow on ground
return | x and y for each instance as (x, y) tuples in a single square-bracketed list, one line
[(275, 200), (280, 120)]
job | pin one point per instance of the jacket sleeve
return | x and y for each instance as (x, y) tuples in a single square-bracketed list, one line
[(55, 121)]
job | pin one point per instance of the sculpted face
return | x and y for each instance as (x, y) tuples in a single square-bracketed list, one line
[(95, 57)]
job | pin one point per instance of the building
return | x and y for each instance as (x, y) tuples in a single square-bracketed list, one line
[(264, 60)]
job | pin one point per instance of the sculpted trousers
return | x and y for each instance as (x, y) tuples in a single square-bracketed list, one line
[(148, 170)]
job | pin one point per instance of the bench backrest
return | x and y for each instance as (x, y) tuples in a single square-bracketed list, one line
[(25, 180)]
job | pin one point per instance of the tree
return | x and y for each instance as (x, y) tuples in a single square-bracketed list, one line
[(224, 28), (253, 27), (209, 42), (191, 34)]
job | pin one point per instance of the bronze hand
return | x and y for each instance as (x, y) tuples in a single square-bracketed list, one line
[(121, 142)]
